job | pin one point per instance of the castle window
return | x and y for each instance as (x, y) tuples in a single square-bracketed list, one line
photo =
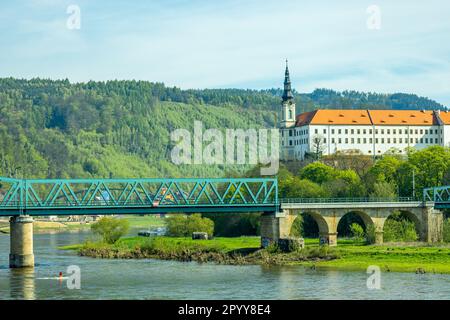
[(339, 140), (359, 140), (290, 142), (346, 131), (426, 140), (359, 131), (421, 131), (324, 131), (370, 131), (316, 131), (290, 133), (352, 131), (370, 140), (394, 131), (364, 140), (332, 140), (324, 140), (290, 114), (332, 131), (388, 131), (339, 131), (346, 140)]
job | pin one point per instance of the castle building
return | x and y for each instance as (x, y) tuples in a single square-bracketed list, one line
[(367, 132)]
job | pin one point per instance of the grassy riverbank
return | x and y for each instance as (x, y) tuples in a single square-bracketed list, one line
[(349, 255), (41, 226)]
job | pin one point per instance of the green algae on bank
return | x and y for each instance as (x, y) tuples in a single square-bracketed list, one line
[(348, 255)]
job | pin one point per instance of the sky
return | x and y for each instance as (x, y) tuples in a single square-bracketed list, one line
[(373, 46)]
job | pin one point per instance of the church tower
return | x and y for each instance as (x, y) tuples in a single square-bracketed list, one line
[(287, 118)]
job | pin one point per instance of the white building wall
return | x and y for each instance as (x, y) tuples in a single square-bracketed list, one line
[(446, 135), (368, 139)]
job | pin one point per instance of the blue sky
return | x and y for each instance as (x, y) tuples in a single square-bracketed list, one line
[(229, 43)]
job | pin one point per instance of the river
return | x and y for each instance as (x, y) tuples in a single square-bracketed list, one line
[(155, 279)]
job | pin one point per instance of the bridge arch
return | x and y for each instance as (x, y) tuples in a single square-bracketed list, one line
[(325, 226), (354, 216)]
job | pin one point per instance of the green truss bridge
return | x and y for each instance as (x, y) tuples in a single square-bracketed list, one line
[(21, 199), (135, 196)]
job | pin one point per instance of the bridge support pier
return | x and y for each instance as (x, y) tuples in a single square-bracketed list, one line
[(270, 229), (21, 242)]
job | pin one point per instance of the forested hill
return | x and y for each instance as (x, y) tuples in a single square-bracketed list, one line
[(122, 128)]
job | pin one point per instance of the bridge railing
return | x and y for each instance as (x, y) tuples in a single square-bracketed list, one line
[(84, 193), (346, 200)]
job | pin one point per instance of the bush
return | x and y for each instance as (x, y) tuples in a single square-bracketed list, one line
[(370, 234), (184, 226), (447, 230), (383, 190), (110, 229), (357, 231), (399, 230)]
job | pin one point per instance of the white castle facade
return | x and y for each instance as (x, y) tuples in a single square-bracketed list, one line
[(367, 132)]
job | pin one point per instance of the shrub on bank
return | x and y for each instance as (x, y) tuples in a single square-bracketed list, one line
[(370, 234), (447, 230), (110, 229), (399, 230), (184, 226), (357, 231)]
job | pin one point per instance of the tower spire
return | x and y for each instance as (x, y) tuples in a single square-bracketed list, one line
[(287, 93)]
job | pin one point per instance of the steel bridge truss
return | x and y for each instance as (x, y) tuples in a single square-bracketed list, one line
[(439, 195), (122, 196)]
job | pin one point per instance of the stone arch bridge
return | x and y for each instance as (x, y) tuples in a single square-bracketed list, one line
[(427, 219)]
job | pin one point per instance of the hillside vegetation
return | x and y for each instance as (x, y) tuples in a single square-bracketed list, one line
[(52, 129)]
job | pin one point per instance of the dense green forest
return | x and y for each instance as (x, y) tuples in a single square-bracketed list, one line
[(122, 128)]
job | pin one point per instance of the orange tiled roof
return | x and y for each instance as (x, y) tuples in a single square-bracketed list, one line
[(335, 117), (445, 117), (304, 118), (402, 117), (369, 117)]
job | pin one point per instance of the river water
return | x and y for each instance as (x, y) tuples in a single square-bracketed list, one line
[(155, 279)]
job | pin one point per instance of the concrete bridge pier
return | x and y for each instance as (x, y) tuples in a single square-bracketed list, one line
[(21, 242)]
